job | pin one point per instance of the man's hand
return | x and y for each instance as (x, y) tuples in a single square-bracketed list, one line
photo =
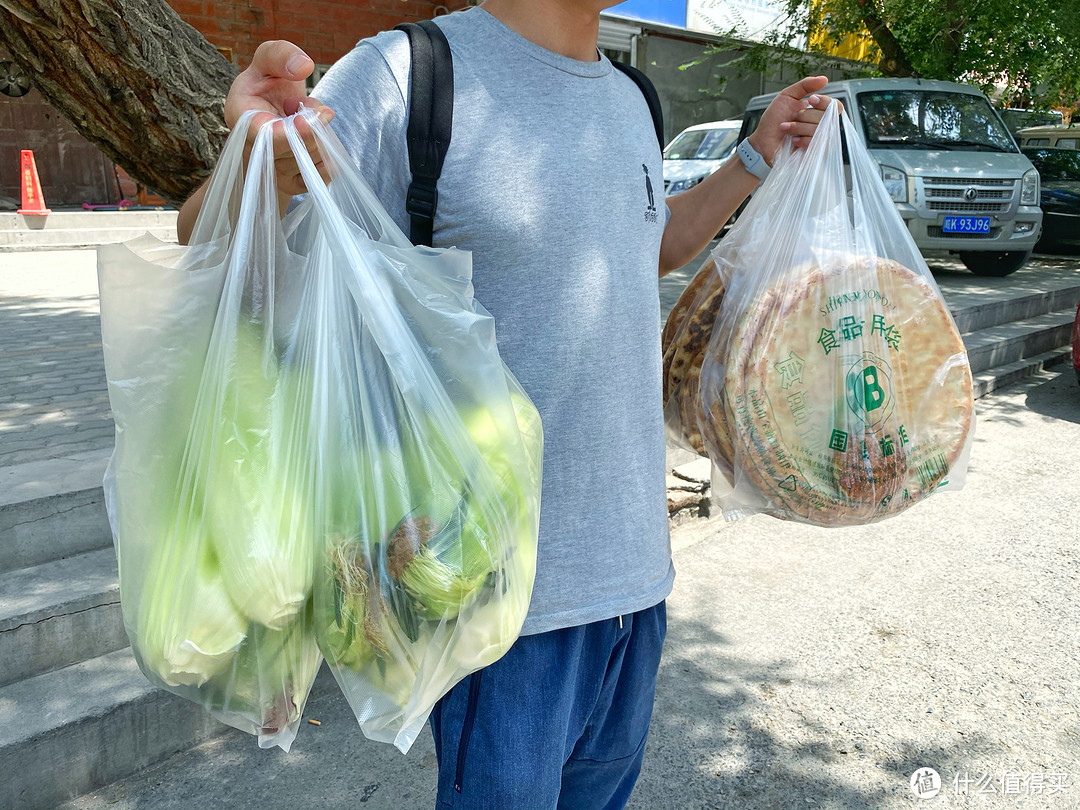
[(698, 215), (791, 113), (274, 85)]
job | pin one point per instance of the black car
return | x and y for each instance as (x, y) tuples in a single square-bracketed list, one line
[(1059, 196)]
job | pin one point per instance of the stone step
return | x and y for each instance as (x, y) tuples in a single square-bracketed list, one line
[(1010, 342), (81, 219), (1010, 306), (59, 613), (69, 731), (52, 509), (998, 377), (78, 229), (22, 241)]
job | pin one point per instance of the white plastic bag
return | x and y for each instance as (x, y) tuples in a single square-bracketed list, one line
[(834, 388), (316, 440)]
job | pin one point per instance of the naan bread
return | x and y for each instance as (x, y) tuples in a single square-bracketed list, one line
[(686, 334), (847, 391)]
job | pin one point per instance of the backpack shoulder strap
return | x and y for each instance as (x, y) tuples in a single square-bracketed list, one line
[(653, 100), (431, 117)]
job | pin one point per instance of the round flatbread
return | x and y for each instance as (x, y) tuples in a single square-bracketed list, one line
[(846, 391), (693, 316), (685, 303)]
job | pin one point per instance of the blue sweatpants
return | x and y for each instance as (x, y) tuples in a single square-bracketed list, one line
[(558, 723)]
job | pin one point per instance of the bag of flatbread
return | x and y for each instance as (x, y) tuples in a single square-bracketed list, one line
[(816, 363)]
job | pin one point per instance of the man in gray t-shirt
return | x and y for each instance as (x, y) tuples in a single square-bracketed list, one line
[(549, 182)]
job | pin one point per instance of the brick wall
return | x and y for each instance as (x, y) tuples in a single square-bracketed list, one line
[(72, 170), (325, 29)]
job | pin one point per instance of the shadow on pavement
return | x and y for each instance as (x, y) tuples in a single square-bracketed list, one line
[(1053, 394), (1058, 398), (715, 742), (331, 766), (53, 396)]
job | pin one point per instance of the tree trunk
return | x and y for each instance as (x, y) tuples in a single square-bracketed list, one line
[(894, 61), (132, 77)]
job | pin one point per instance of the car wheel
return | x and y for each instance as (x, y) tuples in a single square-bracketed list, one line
[(994, 264)]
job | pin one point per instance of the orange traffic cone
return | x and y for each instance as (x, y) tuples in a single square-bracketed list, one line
[(33, 201)]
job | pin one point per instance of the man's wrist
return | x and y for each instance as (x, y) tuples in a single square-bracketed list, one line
[(752, 160)]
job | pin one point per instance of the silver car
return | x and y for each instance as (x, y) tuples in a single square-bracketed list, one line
[(697, 152)]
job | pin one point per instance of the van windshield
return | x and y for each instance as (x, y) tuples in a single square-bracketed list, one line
[(929, 119), (702, 144)]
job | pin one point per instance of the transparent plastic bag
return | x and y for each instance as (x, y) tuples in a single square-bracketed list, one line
[(318, 449), (818, 366)]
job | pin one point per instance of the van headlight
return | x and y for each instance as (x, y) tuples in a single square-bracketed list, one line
[(895, 183), (1029, 188), (684, 185)]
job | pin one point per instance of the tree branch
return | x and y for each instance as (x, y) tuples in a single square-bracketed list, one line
[(894, 61), (132, 77), (954, 29)]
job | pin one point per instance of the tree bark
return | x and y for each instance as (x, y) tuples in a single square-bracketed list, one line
[(954, 34), (132, 77), (894, 62)]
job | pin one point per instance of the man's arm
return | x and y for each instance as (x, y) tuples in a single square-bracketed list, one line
[(274, 85), (698, 215)]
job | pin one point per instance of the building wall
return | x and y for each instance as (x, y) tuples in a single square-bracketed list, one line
[(72, 170), (325, 29), (693, 96)]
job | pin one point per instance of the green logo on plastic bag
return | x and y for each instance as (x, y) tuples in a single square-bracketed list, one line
[(869, 389)]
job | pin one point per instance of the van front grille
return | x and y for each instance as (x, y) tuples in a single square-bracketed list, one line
[(960, 181), (959, 195)]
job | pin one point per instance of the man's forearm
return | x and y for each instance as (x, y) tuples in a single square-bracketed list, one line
[(189, 212), (698, 215)]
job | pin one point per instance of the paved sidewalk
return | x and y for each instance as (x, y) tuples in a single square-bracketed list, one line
[(53, 396), (804, 668)]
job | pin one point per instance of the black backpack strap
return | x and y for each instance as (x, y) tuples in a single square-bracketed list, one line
[(653, 100), (431, 118)]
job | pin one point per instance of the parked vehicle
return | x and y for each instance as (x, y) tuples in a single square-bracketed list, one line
[(1016, 119), (1059, 173), (697, 152), (950, 165), (1059, 137)]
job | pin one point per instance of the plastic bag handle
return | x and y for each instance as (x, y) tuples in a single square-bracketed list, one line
[(224, 188), (370, 286)]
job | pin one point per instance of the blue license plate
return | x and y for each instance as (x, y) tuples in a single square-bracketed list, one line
[(966, 225)]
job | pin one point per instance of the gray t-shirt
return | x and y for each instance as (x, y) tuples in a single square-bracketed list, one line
[(553, 180)]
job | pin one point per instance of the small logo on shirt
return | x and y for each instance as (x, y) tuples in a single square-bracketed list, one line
[(650, 212)]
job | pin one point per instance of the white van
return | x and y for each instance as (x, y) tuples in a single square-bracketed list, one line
[(697, 152), (1061, 136), (950, 165)]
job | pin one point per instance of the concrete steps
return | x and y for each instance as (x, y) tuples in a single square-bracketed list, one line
[(78, 229), (59, 613), (75, 711), (1013, 331), (65, 732), (52, 509)]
